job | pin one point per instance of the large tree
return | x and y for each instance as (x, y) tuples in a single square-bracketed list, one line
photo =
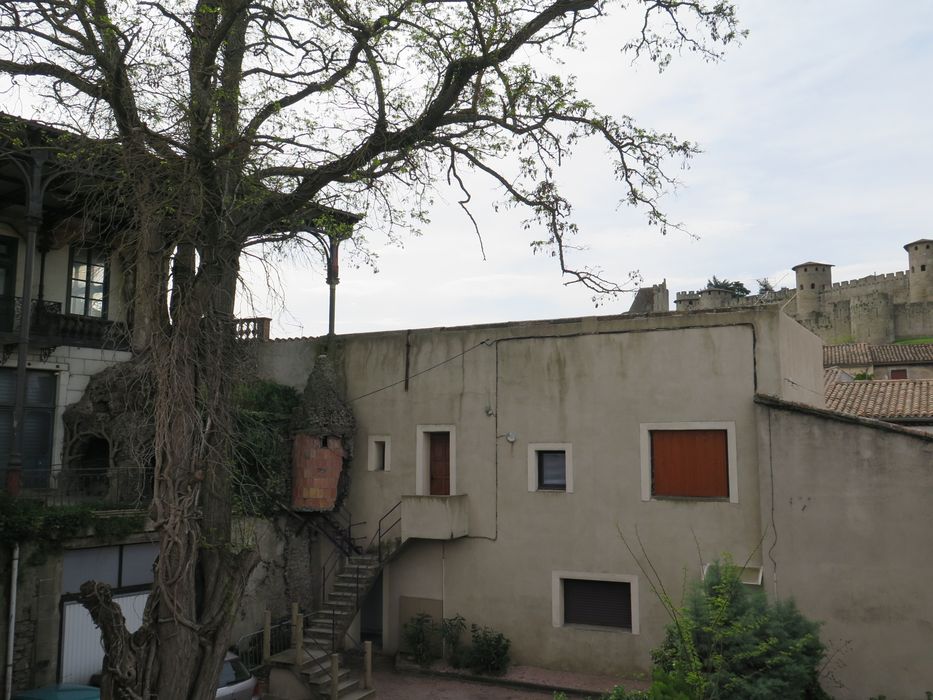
[(241, 122)]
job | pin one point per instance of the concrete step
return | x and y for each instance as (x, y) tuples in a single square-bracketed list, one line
[(344, 686), (359, 694), (318, 676)]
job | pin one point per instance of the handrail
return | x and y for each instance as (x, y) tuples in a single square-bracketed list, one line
[(380, 532)]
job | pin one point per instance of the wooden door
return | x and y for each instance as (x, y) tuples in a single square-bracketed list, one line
[(440, 463)]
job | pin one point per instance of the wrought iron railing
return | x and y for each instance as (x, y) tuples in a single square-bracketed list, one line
[(112, 489), (49, 326)]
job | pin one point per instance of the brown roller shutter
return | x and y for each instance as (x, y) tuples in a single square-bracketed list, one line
[(690, 463), (602, 603)]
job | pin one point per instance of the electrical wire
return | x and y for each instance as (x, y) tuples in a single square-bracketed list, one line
[(485, 341)]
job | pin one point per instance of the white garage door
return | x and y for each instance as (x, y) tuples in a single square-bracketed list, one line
[(82, 652)]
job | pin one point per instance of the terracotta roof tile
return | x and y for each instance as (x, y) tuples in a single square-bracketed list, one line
[(851, 354), (884, 399), (865, 354)]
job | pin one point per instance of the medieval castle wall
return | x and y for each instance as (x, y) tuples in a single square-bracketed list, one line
[(874, 309)]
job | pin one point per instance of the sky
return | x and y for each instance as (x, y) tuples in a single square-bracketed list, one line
[(817, 145)]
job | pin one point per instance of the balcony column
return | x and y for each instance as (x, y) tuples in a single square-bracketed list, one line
[(35, 188)]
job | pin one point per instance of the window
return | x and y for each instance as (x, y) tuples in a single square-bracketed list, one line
[(689, 460), (38, 418), (380, 453), (607, 601), (87, 289), (550, 467), (120, 566), (436, 460), (923, 268), (898, 374)]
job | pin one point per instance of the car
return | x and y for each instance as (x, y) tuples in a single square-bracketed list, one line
[(236, 682), (60, 691)]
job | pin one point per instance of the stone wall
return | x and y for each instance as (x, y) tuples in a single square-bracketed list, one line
[(288, 549)]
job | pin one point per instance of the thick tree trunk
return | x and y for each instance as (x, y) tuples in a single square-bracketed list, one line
[(200, 576)]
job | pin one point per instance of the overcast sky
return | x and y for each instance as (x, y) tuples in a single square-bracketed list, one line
[(817, 143)]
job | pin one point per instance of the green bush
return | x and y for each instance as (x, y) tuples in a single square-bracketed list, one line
[(452, 629), (489, 652), (417, 635), (729, 643)]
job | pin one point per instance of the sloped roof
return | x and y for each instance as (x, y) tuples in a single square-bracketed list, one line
[(865, 354), (884, 399), (834, 375)]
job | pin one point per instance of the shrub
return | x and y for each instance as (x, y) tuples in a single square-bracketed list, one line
[(416, 634), (489, 652), (452, 629), (728, 642)]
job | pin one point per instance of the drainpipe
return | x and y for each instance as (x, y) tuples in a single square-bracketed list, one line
[(14, 474), (11, 622)]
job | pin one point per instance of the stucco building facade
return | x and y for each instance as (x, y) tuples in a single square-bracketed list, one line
[(524, 455)]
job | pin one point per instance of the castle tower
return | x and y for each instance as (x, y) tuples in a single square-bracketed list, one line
[(812, 279), (920, 272)]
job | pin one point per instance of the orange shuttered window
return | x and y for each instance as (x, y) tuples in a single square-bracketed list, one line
[(689, 463)]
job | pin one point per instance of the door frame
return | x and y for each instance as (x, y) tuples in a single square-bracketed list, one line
[(423, 457)]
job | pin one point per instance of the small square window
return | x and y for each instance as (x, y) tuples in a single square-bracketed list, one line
[(898, 374), (923, 268), (552, 470), (380, 453), (550, 467)]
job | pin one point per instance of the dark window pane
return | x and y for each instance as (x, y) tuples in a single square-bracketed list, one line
[(137, 563), (6, 435), (80, 565), (37, 439), (7, 387), (601, 603), (40, 389), (552, 470)]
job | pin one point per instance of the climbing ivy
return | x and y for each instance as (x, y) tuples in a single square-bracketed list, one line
[(46, 527), (262, 412)]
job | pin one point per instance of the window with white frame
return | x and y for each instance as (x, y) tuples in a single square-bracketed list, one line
[(695, 460), (88, 282), (380, 453), (601, 601), (550, 467)]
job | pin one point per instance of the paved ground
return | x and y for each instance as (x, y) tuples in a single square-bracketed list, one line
[(393, 685), (396, 686)]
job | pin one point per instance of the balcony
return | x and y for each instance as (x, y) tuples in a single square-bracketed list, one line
[(52, 328), (435, 517), (118, 488)]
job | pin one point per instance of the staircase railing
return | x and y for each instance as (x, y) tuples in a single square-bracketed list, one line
[(382, 530)]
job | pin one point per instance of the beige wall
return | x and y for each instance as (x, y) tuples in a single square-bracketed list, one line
[(592, 383), (57, 277), (848, 537)]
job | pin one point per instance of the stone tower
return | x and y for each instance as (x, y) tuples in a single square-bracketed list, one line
[(813, 278), (920, 271)]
